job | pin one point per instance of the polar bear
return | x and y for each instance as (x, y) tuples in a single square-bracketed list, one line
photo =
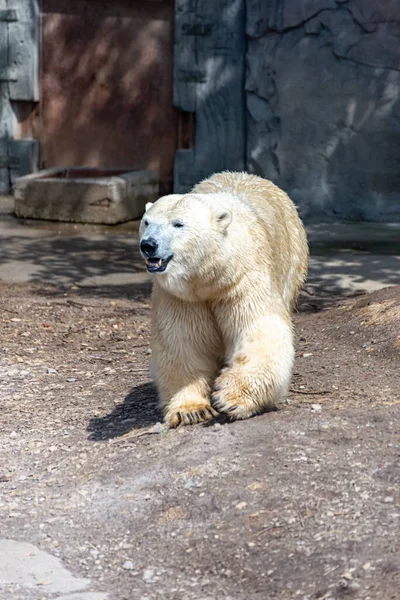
[(228, 260)]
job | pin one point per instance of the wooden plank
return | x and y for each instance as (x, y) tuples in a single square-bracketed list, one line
[(8, 14), (209, 80), (184, 53), (23, 158), (23, 48)]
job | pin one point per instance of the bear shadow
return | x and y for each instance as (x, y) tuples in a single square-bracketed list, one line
[(139, 409)]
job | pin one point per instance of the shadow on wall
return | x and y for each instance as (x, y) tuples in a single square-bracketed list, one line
[(323, 100), (106, 82)]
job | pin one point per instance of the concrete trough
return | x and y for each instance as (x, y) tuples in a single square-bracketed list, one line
[(85, 195)]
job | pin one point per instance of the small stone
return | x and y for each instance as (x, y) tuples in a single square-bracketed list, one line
[(13, 434), (148, 575), (71, 379), (157, 428), (347, 575), (388, 499), (316, 407), (307, 354), (128, 565), (51, 371), (217, 427), (148, 351), (241, 505), (190, 484), (353, 586)]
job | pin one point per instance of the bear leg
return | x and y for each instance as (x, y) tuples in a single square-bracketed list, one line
[(188, 407), (258, 371), (186, 350)]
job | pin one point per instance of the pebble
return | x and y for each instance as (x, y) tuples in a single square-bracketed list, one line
[(349, 585), (307, 354), (316, 407), (13, 434), (148, 351), (157, 428), (128, 565), (148, 575), (388, 499), (217, 427), (51, 371), (70, 379), (190, 484)]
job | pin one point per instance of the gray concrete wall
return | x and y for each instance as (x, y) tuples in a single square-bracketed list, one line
[(323, 103)]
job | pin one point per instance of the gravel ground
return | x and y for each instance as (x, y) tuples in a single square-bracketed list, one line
[(302, 502)]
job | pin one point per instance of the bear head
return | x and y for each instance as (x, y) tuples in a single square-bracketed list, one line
[(182, 239)]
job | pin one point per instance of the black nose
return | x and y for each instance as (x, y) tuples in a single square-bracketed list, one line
[(149, 246)]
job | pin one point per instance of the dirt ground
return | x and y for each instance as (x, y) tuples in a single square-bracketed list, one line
[(302, 502)]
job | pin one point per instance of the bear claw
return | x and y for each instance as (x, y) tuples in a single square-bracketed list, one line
[(190, 417), (234, 411)]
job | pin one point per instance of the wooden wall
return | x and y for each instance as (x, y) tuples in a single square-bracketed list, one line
[(19, 87), (209, 64)]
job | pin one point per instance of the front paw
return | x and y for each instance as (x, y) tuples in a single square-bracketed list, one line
[(189, 413), (232, 396)]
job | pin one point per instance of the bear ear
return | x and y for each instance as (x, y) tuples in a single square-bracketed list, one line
[(223, 219), (148, 205)]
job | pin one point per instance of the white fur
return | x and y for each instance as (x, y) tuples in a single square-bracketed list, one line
[(221, 313)]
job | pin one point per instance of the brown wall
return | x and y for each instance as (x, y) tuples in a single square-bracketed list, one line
[(106, 85)]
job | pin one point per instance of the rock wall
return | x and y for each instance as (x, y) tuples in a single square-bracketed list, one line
[(323, 104)]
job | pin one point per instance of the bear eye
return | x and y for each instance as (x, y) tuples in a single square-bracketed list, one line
[(178, 224), (145, 222)]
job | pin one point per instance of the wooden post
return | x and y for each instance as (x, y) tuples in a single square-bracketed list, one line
[(19, 82), (209, 65)]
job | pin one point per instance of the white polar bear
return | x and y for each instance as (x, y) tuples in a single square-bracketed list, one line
[(228, 260)]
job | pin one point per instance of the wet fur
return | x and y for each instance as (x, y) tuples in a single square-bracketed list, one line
[(221, 313)]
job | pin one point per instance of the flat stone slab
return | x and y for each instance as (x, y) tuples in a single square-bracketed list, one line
[(27, 570), (85, 195), (25, 565)]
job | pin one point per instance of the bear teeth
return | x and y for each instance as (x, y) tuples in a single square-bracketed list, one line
[(158, 263)]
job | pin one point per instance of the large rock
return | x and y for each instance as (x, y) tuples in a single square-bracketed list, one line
[(84, 195), (323, 102)]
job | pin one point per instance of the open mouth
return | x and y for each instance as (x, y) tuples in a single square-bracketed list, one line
[(157, 265)]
